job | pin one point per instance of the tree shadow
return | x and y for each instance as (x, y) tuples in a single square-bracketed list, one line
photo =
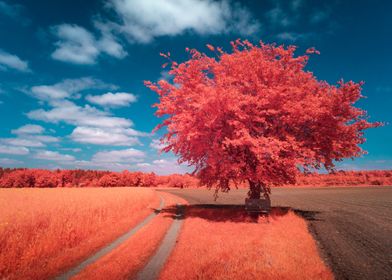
[(232, 213)]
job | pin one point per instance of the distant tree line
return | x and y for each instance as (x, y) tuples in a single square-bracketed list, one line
[(41, 178)]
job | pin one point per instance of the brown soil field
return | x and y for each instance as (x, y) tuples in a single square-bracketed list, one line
[(352, 226)]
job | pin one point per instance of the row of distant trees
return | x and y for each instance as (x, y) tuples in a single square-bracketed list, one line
[(40, 178), (347, 178)]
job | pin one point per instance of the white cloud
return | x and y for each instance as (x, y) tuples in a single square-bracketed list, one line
[(9, 161), (105, 136), (22, 142), (68, 88), (10, 61), (163, 166), (109, 99), (44, 138), (118, 156), (113, 166), (77, 45), (94, 126), (143, 164), (28, 129), (55, 156), (108, 43), (29, 135), (75, 150), (156, 144), (142, 21), (10, 150), (71, 113)]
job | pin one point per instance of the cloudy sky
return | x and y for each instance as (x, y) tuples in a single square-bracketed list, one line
[(72, 72)]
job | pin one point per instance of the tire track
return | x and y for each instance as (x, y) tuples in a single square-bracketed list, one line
[(110, 247), (154, 266)]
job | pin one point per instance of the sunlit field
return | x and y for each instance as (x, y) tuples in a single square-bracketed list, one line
[(130, 257), (45, 231), (227, 244)]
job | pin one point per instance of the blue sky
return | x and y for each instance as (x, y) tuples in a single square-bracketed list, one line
[(72, 72)]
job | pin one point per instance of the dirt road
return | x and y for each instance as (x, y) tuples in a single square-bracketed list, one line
[(353, 226)]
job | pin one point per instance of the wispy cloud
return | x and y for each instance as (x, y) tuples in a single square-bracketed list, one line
[(68, 88), (319, 16), (118, 99), (30, 136), (287, 20), (9, 161), (53, 156), (9, 9), (106, 136), (22, 142), (121, 156), (163, 166), (77, 45), (11, 61), (157, 145), (28, 129), (10, 150), (293, 36), (278, 17), (70, 113), (13, 12)]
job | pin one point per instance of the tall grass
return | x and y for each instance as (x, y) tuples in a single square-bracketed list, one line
[(226, 244), (133, 254), (46, 231)]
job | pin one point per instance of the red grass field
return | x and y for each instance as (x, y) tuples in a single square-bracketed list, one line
[(130, 257), (225, 244), (45, 231)]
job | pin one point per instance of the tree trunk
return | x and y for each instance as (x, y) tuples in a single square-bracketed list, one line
[(256, 188)]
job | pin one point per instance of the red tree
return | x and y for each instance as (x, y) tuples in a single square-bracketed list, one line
[(256, 115), (110, 180)]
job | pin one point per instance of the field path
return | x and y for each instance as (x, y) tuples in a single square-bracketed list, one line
[(352, 225), (110, 247), (154, 266)]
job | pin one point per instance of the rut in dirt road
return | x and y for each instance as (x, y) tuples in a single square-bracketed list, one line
[(107, 249), (154, 266)]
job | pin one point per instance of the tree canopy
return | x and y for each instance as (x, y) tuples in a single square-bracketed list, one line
[(257, 115)]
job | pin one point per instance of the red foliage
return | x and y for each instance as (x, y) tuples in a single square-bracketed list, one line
[(110, 180), (347, 178), (39, 178), (256, 115)]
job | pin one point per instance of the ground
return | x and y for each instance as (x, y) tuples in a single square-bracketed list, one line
[(353, 226), (44, 233)]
